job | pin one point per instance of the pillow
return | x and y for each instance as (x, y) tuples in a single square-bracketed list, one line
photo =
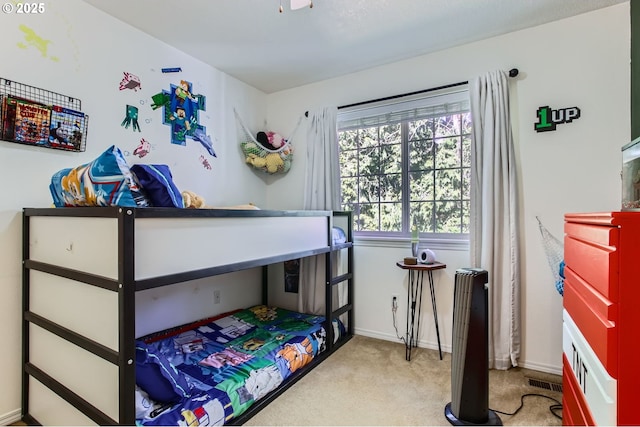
[(106, 181), (158, 377), (338, 235), (157, 184)]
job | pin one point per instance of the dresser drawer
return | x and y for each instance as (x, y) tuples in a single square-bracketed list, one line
[(575, 411), (604, 235), (595, 317), (595, 263), (591, 385)]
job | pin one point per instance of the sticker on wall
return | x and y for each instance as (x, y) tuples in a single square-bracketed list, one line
[(548, 118), (142, 149), (205, 140), (130, 81), (205, 162), (160, 100), (181, 109), (131, 118)]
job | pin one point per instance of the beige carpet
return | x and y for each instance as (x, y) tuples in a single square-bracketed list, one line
[(369, 382)]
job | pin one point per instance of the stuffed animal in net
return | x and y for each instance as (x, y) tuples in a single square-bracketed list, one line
[(267, 161), (266, 151), (270, 140)]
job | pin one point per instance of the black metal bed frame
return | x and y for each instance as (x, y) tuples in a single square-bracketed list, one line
[(126, 286)]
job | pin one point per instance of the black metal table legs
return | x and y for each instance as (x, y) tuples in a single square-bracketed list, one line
[(414, 304)]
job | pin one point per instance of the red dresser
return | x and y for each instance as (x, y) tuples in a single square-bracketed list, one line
[(601, 319)]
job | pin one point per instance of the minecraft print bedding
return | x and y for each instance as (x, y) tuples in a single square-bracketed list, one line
[(211, 371)]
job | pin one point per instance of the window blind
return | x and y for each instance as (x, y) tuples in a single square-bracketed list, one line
[(424, 106)]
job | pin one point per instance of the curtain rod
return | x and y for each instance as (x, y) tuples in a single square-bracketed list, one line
[(512, 73)]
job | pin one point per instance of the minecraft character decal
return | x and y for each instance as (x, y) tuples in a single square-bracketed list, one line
[(131, 118), (130, 81), (181, 112), (205, 162), (142, 149), (205, 140)]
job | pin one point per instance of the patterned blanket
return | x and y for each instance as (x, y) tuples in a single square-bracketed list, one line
[(211, 371)]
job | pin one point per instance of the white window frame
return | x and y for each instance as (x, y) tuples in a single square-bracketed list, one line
[(438, 102)]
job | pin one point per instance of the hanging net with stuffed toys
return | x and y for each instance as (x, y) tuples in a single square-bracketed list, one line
[(267, 151)]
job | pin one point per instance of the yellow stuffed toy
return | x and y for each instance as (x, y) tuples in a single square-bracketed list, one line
[(271, 163), (274, 162), (257, 161), (192, 200)]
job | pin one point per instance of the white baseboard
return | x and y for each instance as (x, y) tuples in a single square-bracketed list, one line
[(10, 417), (555, 370), (389, 337)]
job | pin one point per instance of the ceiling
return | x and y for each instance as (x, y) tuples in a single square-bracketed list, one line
[(272, 51)]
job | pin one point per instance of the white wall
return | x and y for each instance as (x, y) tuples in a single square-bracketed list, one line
[(85, 57), (581, 61)]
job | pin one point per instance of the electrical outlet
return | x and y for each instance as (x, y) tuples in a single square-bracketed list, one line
[(394, 302), (216, 296)]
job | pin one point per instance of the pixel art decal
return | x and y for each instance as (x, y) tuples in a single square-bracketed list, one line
[(181, 113), (130, 81), (205, 140), (548, 118), (205, 162), (131, 118), (142, 149)]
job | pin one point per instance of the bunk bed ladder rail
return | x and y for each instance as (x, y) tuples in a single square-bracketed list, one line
[(333, 281)]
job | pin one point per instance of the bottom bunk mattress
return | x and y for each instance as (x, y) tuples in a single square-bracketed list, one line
[(213, 370)]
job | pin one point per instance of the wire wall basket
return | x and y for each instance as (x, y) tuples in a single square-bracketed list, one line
[(42, 118)]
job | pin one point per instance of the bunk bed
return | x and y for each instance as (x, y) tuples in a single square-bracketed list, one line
[(85, 270)]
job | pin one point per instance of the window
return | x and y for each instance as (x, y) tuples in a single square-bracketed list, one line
[(408, 163)]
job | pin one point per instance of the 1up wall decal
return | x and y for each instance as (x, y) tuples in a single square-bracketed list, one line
[(549, 118)]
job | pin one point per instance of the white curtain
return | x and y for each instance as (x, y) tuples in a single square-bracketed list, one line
[(321, 192), (494, 235)]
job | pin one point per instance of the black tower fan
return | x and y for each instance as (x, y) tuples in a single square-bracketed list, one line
[(470, 352)]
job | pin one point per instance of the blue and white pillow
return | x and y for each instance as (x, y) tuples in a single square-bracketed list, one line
[(105, 181)]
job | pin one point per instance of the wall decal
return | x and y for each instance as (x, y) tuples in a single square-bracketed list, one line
[(205, 140), (130, 81), (549, 118), (205, 162), (172, 70), (181, 109), (160, 100), (142, 149), (131, 118)]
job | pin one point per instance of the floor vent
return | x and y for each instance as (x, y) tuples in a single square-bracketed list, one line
[(545, 384)]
